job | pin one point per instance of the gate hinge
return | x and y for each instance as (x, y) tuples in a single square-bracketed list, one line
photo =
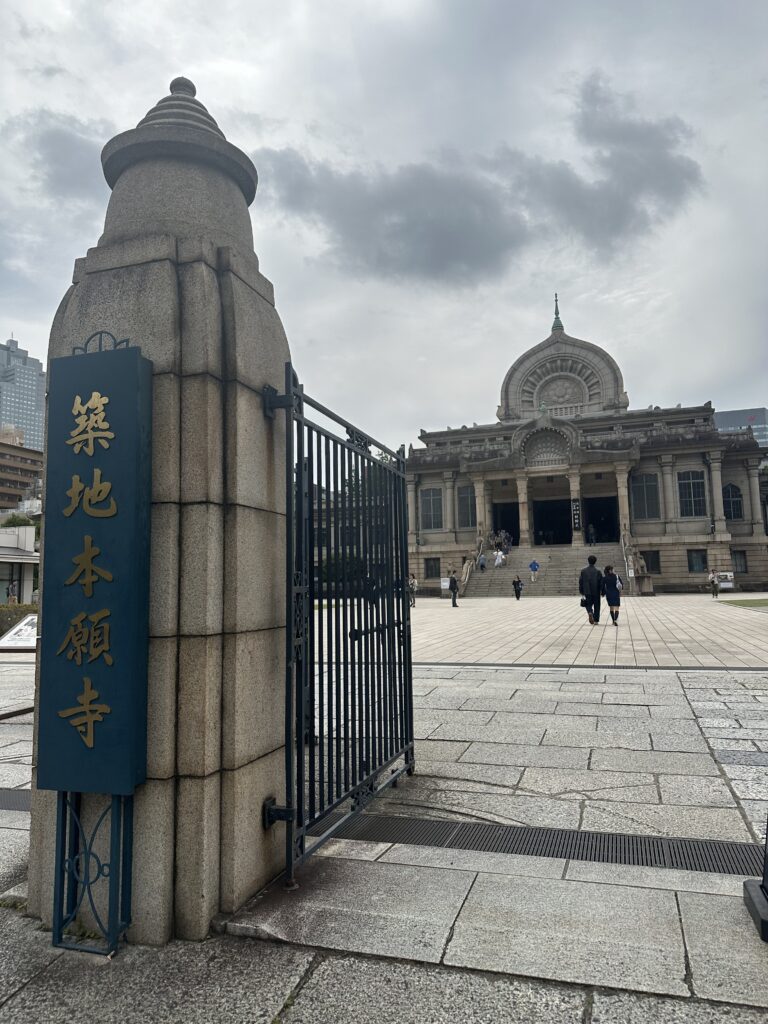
[(271, 813), (271, 400)]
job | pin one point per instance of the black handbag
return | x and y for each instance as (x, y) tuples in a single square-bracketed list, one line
[(583, 602)]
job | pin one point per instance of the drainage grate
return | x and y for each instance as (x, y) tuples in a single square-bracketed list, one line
[(15, 799), (726, 858)]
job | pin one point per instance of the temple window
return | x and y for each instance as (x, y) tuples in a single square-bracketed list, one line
[(467, 509), (697, 560), (739, 561), (431, 568), (732, 503), (645, 496), (652, 562), (693, 499), (432, 508)]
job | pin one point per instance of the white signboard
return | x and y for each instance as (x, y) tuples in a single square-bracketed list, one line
[(725, 579), (22, 637), (631, 573), (445, 583)]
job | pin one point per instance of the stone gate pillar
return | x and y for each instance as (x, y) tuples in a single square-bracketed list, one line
[(176, 274)]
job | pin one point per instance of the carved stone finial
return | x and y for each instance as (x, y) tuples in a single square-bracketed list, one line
[(182, 87)]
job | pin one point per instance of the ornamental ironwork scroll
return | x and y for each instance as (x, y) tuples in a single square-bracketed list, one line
[(92, 714)]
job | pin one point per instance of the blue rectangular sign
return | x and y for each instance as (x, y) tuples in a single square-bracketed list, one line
[(92, 714)]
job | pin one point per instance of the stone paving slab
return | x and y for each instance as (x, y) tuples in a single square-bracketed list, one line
[(219, 980), (681, 631), (579, 932), (365, 907), (728, 959), (655, 878), (627, 1008), (348, 990), (472, 860), (672, 821)]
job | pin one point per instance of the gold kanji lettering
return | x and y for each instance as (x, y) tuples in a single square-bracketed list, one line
[(85, 716), (85, 568), (88, 636), (91, 497), (90, 424)]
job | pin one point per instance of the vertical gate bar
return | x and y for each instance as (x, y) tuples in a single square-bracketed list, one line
[(391, 616), (322, 575), (343, 529), (404, 608), (58, 878), (350, 625), (364, 498), (127, 858), (375, 588), (337, 618), (290, 625), (75, 834), (115, 863), (359, 613), (329, 620), (311, 712), (380, 620), (302, 498), (407, 660)]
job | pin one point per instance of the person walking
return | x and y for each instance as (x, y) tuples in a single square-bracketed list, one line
[(534, 567), (591, 535), (714, 583), (499, 559), (481, 563), (612, 588), (590, 588), (517, 583), (13, 593), (453, 586), (413, 586)]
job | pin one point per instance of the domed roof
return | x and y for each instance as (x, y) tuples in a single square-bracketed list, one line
[(564, 376)]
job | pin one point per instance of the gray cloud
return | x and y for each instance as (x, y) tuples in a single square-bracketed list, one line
[(449, 221), (62, 153)]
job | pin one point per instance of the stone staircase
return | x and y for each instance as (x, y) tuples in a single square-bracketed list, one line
[(558, 575)]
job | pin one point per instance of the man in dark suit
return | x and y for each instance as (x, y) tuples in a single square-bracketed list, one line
[(590, 588)]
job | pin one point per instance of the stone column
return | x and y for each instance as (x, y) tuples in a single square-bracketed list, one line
[(622, 490), (449, 522), (410, 486), (488, 506), (522, 499), (668, 485), (175, 273), (574, 483), (758, 526), (716, 476), (479, 485)]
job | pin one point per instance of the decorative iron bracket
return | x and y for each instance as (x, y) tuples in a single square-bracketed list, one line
[(271, 399), (271, 813)]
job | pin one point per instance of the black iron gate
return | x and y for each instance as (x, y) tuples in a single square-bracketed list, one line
[(348, 693)]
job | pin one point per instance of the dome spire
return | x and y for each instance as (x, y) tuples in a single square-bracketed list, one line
[(557, 323)]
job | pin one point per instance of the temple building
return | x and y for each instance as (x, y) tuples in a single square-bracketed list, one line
[(660, 492)]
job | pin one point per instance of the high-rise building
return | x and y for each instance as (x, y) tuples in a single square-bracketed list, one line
[(730, 420), (22, 392)]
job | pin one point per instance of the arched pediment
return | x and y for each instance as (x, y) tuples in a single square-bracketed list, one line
[(563, 377)]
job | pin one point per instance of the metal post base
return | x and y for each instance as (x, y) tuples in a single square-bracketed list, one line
[(756, 903)]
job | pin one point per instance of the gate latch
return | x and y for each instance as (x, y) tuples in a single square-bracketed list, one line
[(271, 813)]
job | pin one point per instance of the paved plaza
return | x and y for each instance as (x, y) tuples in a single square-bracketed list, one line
[(422, 933), (686, 630)]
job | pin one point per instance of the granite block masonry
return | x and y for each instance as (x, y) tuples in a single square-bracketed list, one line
[(176, 274)]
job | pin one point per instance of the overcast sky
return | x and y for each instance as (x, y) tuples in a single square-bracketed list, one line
[(431, 171)]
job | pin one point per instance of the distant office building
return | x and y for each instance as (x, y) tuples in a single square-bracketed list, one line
[(22, 393), (738, 419), (21, 470)]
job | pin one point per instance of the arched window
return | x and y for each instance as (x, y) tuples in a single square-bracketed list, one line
[(732, 503)]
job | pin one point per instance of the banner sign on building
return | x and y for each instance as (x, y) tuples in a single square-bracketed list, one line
[(93, 674), (576, 514)]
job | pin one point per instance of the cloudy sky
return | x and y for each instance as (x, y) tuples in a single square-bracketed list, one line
[(431, 171)]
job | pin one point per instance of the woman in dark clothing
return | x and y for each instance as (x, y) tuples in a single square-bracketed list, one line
[(612, 587), (517, 583)]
